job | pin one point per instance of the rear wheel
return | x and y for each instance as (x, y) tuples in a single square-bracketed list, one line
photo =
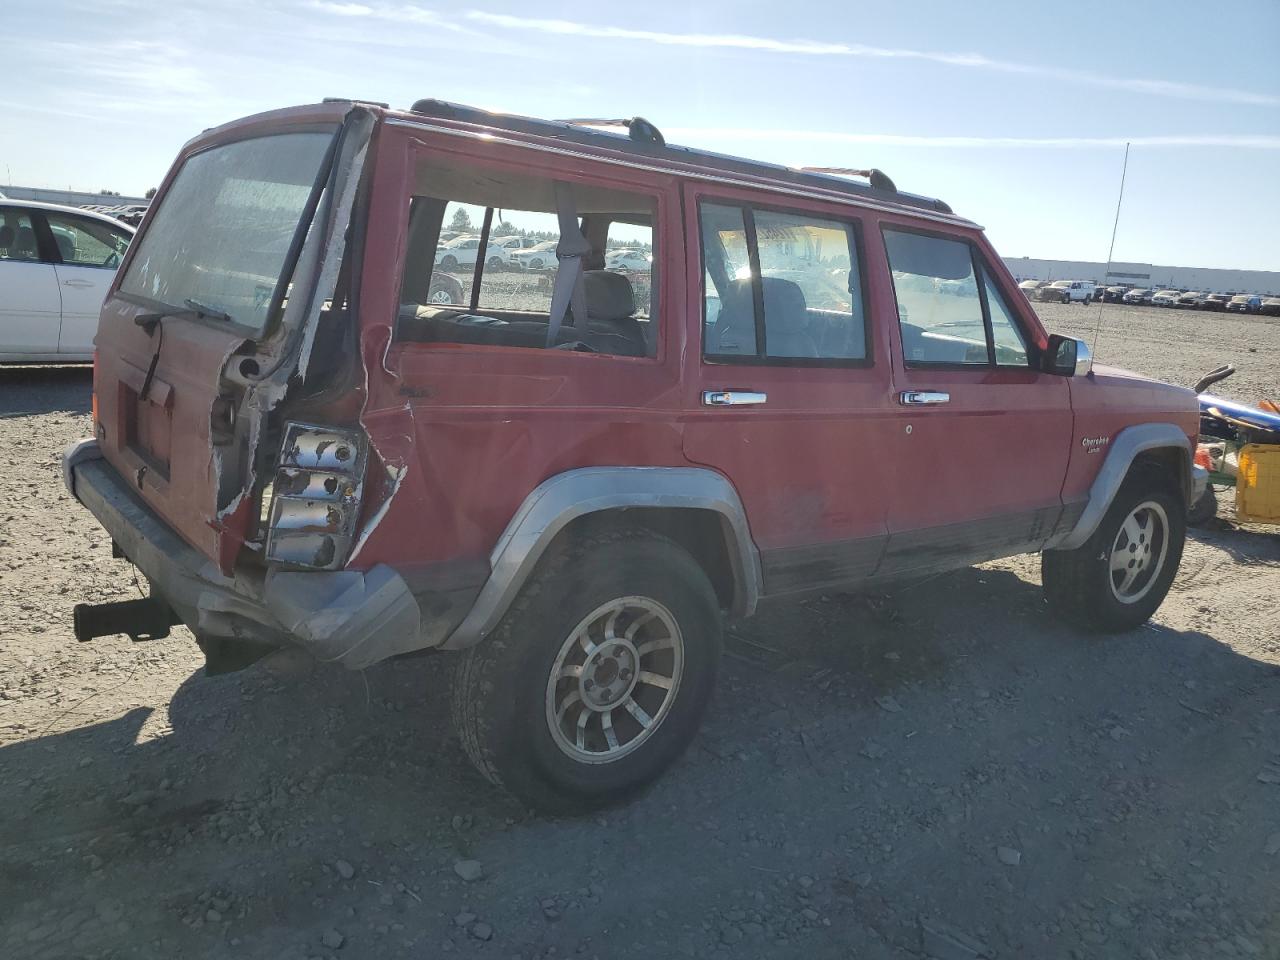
[(1118, 578), (449, 262), (596, 679)]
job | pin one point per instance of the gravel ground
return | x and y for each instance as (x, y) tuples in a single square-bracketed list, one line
[(942, 772)]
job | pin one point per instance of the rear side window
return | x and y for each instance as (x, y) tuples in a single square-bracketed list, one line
[(949, 312), (493, 257), (17, 236), (780, 286)]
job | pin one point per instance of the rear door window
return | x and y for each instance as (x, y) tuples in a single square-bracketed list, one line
[(462, 285), (780, 286), (18, 236)]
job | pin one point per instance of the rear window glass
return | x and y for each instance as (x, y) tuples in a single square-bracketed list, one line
[(224, 229)]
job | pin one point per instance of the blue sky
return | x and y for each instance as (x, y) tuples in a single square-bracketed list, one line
[(1015, 113)]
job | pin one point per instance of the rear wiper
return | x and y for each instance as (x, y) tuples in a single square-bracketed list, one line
[(194, 308), (201, 311)]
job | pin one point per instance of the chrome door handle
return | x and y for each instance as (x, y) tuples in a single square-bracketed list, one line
[(77, 283), (915, 398), (732, 398)]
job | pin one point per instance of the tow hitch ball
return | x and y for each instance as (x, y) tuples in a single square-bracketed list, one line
[(146, 619)]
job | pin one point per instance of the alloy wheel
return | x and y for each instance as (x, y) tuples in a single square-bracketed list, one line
[(614, 680), (1138, 552)]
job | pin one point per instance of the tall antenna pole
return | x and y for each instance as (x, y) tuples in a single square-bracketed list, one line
[(1111, 250)]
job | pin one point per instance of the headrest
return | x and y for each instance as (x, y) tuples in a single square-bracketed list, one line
[(609, 295), (784, 303), (7, 236)]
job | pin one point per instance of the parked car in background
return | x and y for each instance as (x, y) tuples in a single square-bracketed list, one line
[(1215, 301), (1245, 303), (1165, 298), (514, 243), (1140, 296), (1031, 288), (56, 263), (462, 252), (1270, 306), (541, 256), (1113, 294), (1069, 291), (1191, 300), (627, 260)]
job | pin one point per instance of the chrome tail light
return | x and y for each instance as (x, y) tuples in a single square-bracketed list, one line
[(315, 496)]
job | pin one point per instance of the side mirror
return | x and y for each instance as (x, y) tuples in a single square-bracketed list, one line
[(1067, 357)]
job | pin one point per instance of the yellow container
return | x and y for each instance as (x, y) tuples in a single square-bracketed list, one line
[(1258, 483)]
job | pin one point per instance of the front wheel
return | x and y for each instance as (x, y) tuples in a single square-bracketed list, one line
[(1118, 578), (596, 679)]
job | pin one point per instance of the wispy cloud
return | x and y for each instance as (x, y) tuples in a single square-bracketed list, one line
[(816, 48), (1240, 141), (341, 9)]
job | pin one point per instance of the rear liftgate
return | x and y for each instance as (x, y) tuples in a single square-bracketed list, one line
[(256, 377)]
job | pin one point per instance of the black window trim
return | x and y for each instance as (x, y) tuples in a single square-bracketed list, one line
[(853, 230), (981, 270)]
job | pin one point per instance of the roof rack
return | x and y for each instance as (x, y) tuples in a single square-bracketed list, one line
[(643, 138), (878, 178)]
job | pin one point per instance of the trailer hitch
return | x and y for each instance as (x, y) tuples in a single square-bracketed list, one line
[(145, 619)]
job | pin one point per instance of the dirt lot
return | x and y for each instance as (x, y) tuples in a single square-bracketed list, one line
[(942, 772)]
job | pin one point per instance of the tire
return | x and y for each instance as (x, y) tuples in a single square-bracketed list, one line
[(521, 726), (495, 262), (449, 262), (1081, 585), (1204, 509)]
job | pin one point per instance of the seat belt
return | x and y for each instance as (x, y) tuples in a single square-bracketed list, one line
[(569, 287)]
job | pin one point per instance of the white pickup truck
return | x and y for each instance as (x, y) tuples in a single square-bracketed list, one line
[(1069, 291)]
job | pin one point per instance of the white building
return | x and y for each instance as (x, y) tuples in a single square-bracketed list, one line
[(1205, 279), (72, 198)]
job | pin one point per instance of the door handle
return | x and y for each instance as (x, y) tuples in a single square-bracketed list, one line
[(732, 398), (917, 398), (77, 283)]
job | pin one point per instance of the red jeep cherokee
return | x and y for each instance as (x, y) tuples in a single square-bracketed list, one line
[(728, 382)]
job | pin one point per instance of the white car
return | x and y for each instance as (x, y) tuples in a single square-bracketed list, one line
[(1166, 298), (627, 260), (541, 256), (56, 264), (462, 252)]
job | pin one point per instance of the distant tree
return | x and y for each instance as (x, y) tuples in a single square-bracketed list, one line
[(109, 193), (461, 221), (151, 192)]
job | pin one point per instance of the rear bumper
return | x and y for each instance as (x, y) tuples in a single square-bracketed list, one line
[(356, 618)]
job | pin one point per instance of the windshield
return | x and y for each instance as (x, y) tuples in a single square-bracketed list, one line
[(223, 232)]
